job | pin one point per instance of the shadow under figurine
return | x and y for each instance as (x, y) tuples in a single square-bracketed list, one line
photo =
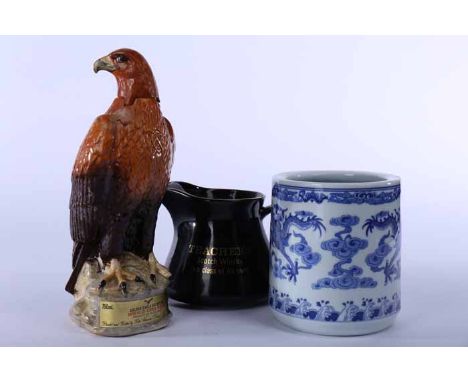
[(118, 181)]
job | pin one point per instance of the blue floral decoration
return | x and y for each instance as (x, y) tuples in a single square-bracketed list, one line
[(349, 311), (371, 196)]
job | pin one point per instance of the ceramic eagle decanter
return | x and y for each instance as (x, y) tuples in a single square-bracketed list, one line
[(119, 179)]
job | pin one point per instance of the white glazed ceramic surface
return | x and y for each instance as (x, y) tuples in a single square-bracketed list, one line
[(335, 251)]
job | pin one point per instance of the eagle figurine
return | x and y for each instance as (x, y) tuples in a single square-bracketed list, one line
[(120, 175)]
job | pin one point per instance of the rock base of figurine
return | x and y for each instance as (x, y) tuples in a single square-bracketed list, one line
[(143, 308)]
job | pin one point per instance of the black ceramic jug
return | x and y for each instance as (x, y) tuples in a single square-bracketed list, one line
[(220, 253)]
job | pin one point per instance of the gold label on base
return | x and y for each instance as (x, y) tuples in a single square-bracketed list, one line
[(129, 313)]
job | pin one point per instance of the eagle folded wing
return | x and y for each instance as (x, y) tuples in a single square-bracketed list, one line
[(92, 182)]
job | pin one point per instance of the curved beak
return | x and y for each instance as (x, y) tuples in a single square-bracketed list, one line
[(104, 63)]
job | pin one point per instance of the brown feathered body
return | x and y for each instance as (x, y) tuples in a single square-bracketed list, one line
[(119, 179)]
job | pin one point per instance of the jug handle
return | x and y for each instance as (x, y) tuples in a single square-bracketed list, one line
[(264, 211)]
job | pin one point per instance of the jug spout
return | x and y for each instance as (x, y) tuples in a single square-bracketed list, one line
[(185, 200), (177, 199)]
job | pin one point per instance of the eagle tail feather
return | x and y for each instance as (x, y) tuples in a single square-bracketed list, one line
[(81, 253)]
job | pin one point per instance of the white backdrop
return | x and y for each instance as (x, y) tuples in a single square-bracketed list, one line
[(243, 109)]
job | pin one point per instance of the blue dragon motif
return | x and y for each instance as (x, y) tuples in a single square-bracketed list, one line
[(296, 256), (389, 243), (344, 247)]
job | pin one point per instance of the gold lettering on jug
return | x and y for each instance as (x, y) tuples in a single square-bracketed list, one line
[(220, 260)]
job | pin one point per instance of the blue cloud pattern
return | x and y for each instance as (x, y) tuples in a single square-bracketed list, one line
[(344, 247)]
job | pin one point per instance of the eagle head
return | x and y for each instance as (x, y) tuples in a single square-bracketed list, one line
[(133, 73)]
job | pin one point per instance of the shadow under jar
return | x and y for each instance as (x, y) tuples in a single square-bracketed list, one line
[(335, 251), (219, 255)]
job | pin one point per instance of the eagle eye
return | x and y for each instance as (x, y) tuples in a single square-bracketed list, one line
[(121, 58)]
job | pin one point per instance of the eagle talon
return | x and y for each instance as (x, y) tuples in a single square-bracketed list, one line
[(156, 268), (100, 265), (123, 287), (114, 270)]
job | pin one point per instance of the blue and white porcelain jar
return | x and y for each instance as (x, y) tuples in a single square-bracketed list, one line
[(335, 251)]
